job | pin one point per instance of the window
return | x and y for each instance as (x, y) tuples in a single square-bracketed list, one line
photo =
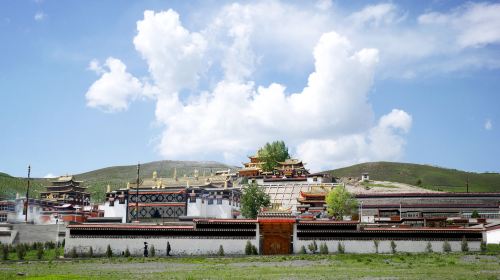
[(315, 179), (3, 218), (219, 200), (192, 199), (210, 201)]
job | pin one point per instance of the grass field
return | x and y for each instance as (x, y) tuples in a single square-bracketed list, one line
[(348, 266)]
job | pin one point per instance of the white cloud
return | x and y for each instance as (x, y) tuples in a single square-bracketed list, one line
[(49, 175), (329, 122), (376, 15), (324, 4), (114, 89), (474, 24), (488, 124), (39, 16)]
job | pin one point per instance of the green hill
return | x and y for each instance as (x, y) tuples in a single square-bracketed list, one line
[(9, 186), (430, 177), (116, 177)]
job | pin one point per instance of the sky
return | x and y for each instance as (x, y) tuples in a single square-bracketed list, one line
[(90, 84)]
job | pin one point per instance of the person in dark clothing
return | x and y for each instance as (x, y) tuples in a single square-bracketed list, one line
[(168, 248), (145, 249)]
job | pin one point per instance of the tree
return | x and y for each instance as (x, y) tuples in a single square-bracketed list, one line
[(248, 248), (252, 200), (340, 202), (428, 248), (313, 247), (109, 252), (375, 244), (73, 254), (152, 251), (323, 249), (127, 253), (475, 214), (272, 153), (5, 252), (39, 252), (393, 247), (221, 251), (340, 248), (21, 251), (303, 250), (446, 247), (464, 245)]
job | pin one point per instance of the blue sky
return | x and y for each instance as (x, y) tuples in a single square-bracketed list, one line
[(85, 85)]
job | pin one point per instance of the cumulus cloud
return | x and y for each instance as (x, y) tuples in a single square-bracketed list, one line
[(488, 124), (114, 90)]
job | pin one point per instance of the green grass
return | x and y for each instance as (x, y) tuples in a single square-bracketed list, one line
[(346, 266), (431, 177)]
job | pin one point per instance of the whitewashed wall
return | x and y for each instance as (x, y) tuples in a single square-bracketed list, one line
[(220, 211), (367, 246), (179, 246), (493, 236), (118, 210)]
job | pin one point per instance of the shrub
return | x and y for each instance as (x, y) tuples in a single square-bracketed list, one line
[(303, 250), (152, 251), (73, 254), (464, 245), (254, 250), (446, 247), (57, 253), (21, 251), (313, 247), (375, 244), (323, 249), (50, 245), (248, 248), (428, 248), (91, 252), (221, 251), (393, 247), (483, 247), (39, 252), (109, 252), (340, 248), (5, 252), (127, 253), (63, 243)]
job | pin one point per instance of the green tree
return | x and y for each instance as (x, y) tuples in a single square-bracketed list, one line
[(109, 252), (248, 248), (446, 247), (252, 200), (21, 251), (464, 245), (272, 153), (152, 251), (303, 250), (475, 214), (127, 253), (340, 202), (393, 247), (221, 251), (313, 247), (323, 249), (39, 252)]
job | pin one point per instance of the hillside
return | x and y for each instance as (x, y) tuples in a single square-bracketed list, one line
[(430, 177), (116, 176), (9, 186)]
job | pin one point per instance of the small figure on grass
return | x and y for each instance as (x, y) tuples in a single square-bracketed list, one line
[(168, 248)]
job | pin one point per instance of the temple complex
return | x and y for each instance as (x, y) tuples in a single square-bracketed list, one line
[(65, 190), (172, 199), (253, 168)]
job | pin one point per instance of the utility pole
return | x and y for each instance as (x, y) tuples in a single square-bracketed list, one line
[(467, 183), (27, 195), (137, 194)]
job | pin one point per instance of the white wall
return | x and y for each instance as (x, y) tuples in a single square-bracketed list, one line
[(179, 246), (493, 236), (118, 210), (220, 211), (367, 246)]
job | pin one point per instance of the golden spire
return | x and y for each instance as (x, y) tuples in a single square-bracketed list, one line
[(108, 188)]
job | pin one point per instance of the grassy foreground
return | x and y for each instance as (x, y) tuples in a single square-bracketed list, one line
[(348, 266)]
